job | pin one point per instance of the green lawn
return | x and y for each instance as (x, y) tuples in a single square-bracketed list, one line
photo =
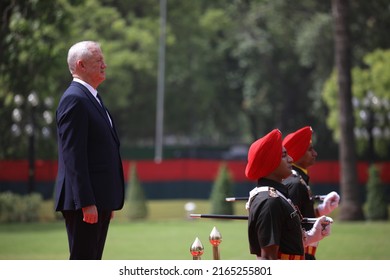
[(168, 235)]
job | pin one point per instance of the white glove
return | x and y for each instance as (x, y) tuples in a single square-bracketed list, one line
[(330, 203), (320, 229), (315, 244)]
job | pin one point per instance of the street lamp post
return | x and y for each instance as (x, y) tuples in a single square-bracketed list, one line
[(369, 116), (29, 125), (160, 85)]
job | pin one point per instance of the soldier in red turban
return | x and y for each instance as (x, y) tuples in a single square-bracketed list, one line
[(265, 155), (300, 147), (274, 225)]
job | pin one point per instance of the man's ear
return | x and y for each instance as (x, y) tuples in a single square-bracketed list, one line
[(80, 64)]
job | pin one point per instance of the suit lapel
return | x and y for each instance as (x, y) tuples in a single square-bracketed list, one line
[(113, 128), (102, 112)]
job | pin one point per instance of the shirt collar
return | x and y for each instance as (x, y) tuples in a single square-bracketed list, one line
[(88, 86)]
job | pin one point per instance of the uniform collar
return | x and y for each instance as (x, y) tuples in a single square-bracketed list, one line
[(300, 168), (271, 183), (302, 173)]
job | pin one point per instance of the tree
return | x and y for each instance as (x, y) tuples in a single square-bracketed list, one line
[(31, 48), (222, 188), (234, 69), (351, 206), (371, 104), (137, 208)]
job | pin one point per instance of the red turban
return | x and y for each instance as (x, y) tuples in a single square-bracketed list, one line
[(298, 142), (264, 155)]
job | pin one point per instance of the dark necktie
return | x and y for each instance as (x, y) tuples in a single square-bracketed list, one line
[(102, 104), (100, 99)]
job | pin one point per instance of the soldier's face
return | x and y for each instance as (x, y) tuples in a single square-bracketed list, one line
[(285, 166), (309, 158)]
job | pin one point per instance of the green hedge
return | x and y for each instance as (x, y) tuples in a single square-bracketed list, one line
[(19, 208), (377, 206)]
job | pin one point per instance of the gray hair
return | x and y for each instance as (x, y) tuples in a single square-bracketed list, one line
[(80, 50)]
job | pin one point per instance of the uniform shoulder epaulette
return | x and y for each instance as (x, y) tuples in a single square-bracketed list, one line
[(272, 192), (296, 175)]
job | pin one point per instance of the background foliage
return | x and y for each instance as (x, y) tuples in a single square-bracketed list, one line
[(371, 100), (234, 69)]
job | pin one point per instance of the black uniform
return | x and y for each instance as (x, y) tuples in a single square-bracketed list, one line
[(273, 221), (300, 194)]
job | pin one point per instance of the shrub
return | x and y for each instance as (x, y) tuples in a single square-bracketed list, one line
[(222, 188), (135, 196), (376, 196), (19, 208)]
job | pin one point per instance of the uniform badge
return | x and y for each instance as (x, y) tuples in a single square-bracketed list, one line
[(272, 192), (306, 185)]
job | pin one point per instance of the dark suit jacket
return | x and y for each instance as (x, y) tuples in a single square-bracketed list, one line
[(89, 163)]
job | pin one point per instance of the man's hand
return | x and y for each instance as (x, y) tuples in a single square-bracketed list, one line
[(320, 229), (331, 202), (90, 214)]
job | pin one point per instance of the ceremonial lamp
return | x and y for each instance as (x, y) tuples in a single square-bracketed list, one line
[(215, 239)]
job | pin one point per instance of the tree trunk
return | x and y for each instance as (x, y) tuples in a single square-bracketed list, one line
[(351, 205)]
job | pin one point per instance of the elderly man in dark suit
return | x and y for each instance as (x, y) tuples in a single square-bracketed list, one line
[(90, 182)]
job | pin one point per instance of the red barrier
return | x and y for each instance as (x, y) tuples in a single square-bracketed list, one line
[(186, 170)]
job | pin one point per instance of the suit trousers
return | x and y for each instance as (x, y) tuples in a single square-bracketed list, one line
[(86, 241)]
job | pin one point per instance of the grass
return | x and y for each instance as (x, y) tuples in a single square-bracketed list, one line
[(167, 235)]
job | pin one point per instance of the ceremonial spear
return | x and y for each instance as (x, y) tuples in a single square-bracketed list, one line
[(244, 198), (243, 217)]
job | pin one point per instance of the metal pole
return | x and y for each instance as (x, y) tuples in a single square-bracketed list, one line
[(31, 153), (245, 198), (232, 199), (370, 128), (31, 163), (238, 217), (160, 85), (219, 216)]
